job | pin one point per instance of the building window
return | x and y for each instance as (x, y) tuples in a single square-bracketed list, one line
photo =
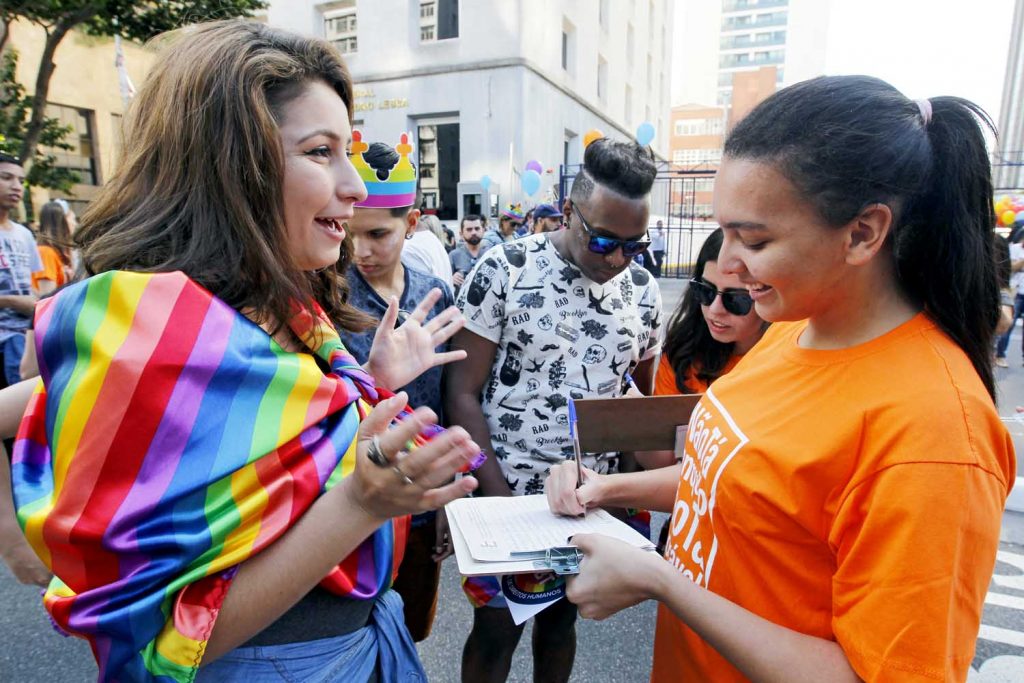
[(439, 20), (710, 126), (629, 105), (340, 26), (650, 73), (630, 44), (650, 21), (602, 14), (568, 46), (81, 158), (602, 79), (439, 168)]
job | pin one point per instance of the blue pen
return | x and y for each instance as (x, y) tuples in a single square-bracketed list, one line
[(575, 443), (632, 384)]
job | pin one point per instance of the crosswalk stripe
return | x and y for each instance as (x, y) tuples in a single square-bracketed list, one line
[(1001, 635), (1004, 600)]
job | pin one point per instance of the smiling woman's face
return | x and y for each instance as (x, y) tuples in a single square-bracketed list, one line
[(320, 183), (775, 244)]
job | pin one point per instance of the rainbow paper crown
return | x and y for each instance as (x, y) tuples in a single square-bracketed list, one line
[(513, 211), (396, 191)]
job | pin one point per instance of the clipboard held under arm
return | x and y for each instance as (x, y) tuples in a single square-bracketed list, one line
[(631, 424)]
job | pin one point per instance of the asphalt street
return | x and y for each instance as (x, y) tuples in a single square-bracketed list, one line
[(616, 650)]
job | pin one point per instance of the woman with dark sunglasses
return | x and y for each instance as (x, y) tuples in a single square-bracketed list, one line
[(713, 327)]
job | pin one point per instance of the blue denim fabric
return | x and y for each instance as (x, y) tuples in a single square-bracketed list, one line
[(343, 659), (13, 348), (1004, 341)]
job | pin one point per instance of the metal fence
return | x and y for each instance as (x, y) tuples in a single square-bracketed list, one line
[(674, 201)]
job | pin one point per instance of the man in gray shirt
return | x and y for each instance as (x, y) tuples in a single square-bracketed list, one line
[(465, 256)]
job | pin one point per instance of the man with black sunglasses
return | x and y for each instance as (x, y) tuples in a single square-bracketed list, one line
[(552, 317)]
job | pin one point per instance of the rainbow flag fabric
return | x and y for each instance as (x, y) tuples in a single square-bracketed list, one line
[(170, 440)]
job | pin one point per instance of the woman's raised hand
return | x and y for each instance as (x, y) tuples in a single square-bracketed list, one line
[(563, 496), (390, 481), (400, 355)]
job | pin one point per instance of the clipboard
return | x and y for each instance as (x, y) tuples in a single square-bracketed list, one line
[(632, 424), (509, 535)]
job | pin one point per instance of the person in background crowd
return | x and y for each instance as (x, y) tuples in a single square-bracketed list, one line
[(509, 223), (550, 317), (836, 515), (57, 224), (1017, 286), (1003, 270), (527, 227), (250, 518), (19, 258), (465, 256), (424, 248), (378, 275), (546, 218), (658, 246)]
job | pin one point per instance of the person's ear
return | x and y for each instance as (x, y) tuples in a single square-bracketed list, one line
[(566, 211), (868, 232), (412, 220)]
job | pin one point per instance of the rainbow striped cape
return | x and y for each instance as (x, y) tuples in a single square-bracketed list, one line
[(171, 439)]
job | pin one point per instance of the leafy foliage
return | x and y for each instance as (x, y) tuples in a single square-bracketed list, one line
[(15, 108)]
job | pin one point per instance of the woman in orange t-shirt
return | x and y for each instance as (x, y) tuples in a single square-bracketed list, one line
[(54, 243), (836, 514)]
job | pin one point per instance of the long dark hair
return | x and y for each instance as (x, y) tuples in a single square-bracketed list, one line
[(55, 230), (199, 185), (688, 342), (847, 142)]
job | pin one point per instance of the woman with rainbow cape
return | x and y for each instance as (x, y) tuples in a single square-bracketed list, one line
[(203, 455)]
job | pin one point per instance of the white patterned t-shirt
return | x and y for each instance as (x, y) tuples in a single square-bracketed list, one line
[(559, 335)]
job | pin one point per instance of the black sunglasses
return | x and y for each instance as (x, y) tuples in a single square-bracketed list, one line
[(600, 244), (737, 303)]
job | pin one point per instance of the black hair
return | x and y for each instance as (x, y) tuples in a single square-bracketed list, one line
[(8, 159), (847, 142), (688, 342), (623, 167), (382, 158), (470, 217), (1004, 266)]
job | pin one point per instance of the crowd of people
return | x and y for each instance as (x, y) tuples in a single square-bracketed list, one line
[(263, 372)]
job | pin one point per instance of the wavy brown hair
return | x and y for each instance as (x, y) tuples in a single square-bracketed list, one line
[(198, 186)]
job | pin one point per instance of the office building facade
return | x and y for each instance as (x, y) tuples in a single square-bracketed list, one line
[(485, 87)]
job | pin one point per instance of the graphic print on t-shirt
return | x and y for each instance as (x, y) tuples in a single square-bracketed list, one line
[(712, 441), (559, 335)]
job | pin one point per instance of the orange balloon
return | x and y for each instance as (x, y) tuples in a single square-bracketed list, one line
[(1008, 217), (590, 136)]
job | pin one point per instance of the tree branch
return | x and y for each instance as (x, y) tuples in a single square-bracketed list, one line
[(42, 91)]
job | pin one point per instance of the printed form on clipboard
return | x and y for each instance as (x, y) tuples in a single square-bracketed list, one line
[(520, 534)]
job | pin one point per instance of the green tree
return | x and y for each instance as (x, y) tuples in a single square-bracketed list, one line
[(15, 109), (138, 21)]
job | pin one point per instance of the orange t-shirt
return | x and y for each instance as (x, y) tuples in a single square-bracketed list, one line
[(665, 377), (53, 267), (854, 495)]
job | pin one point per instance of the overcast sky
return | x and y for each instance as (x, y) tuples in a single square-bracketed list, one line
[(923, 47)]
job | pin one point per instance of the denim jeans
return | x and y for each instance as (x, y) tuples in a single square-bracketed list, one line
[(12, 349), (1004, 340), (381, 651)]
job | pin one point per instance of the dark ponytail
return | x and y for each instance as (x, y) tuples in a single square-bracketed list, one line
[(847, 142)]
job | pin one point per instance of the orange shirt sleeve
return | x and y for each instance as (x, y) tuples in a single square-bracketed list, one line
[(53, 268), (665, 378), (915, 547)]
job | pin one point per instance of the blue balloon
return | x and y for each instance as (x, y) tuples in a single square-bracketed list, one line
[(531, 182), (485, 182), (645, 133)]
